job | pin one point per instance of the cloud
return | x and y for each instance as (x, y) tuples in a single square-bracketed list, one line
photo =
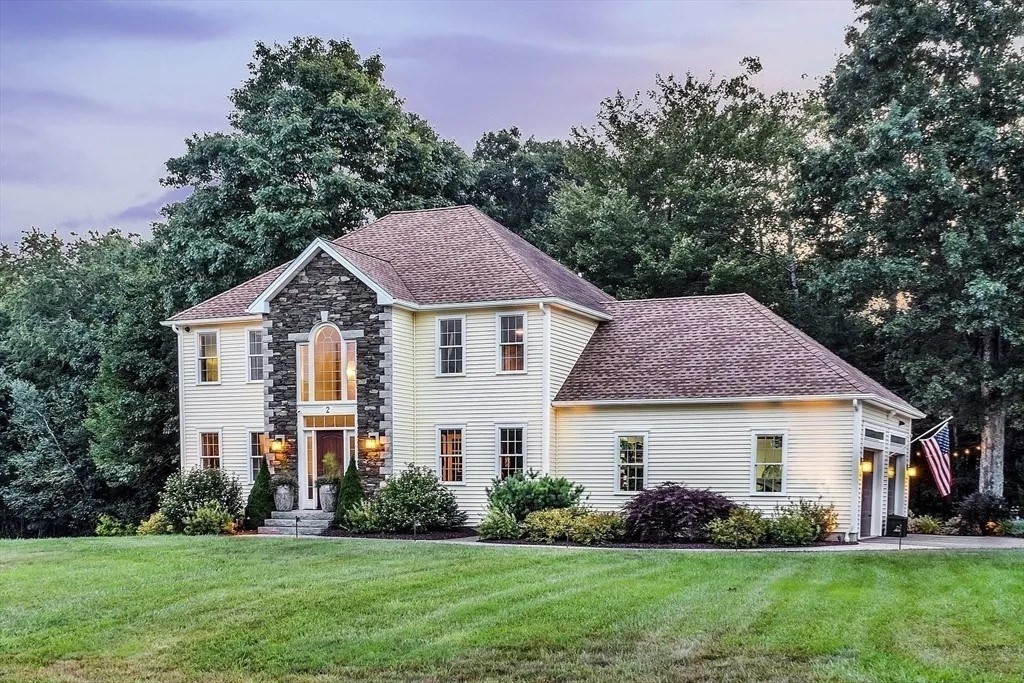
[(30, 20), (32, 104), (149, 211)]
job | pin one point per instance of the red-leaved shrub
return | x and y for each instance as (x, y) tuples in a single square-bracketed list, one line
[(672, 513)]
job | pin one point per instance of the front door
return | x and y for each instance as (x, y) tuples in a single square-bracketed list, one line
[(320, 444), (867, 486)]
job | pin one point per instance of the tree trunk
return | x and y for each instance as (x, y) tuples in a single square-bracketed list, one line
[(993, 431)]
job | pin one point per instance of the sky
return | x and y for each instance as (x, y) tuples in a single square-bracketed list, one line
[(96, 95)]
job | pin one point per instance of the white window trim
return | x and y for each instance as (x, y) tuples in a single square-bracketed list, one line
[(437, 453), (220, 356), (497, 445), (437, 346), (248, 451), (784, 433), (219, 431), (615, 460), (497, 342), (249, 356)]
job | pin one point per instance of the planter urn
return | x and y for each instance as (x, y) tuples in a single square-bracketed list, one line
[(284, 499), (328, 496)]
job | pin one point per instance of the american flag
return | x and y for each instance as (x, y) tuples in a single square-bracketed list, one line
[(936, 452)]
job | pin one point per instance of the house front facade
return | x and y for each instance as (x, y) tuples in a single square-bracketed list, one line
[(439, 338)]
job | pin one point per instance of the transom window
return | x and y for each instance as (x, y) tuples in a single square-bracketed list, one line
[(449, 449), (874, 434), (257, 447), (255, 355), (769, 460), (329, 421), (450, 346), (208, 353), (511, 451), (209, 450), (631, 472), (512, 342), (330, 374)]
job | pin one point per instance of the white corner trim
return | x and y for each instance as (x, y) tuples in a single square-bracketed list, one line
[(262, 302), (545, 387)]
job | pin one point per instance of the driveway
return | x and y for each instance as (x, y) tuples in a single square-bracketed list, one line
[(946, 542)]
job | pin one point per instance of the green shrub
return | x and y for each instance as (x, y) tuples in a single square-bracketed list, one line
[(155, 525), (595, 528), (416, 500), (499, 525), (979, 513), (743, 528), (261, 499), (925, 524), (551, 526), (288, 480), (350, 493), (186, 492), (209, 519), (1011, 527), (522, 494), (361, 519), (954, 526), (824, 517), (791, 527), (109, 526)]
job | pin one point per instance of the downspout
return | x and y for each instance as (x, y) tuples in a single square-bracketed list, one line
[(545, 463), (181, 399), (858, 450)]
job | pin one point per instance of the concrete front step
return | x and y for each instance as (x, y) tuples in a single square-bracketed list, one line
[(290, 531), (302, 514), (290, 523)]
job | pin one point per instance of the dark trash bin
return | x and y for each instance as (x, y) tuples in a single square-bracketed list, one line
[(895, 525)]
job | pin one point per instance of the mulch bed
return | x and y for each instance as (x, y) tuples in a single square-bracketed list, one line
[(461, 532), (652, 546)]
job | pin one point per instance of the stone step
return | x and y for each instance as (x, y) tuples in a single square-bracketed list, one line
[(302, 523), (282, 531), (302, 514)]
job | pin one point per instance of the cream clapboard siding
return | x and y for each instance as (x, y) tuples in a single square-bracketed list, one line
[(233, 407), (403, 388), (710, 446), (569, 336), (879, 419), (479, 401)]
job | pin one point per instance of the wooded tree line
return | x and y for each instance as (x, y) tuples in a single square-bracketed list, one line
[(882, 211)]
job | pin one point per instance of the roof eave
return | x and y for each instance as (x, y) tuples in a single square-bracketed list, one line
[(873, 398), (211, 321), (490, 303)]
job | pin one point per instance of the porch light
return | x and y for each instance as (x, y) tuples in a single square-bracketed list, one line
[(372, 441), (866, 466), (892, 472), (276, 445), (911, 471)]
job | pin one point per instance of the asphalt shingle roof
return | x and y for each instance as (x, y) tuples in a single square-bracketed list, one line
[(705, 347)]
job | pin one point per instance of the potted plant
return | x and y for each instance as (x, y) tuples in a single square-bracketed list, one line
[(327, 483), (284, 488)]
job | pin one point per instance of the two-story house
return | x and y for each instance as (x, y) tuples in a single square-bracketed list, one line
[(438, 337)]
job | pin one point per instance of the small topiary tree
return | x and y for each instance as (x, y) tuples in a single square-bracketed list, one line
[(261, 499), (350, 493)]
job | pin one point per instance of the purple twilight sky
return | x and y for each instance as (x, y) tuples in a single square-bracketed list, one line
[(95, 96)]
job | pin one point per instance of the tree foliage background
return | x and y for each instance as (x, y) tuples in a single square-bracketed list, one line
[(881, 211)]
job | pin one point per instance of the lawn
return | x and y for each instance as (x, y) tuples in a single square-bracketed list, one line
[(242, 609)]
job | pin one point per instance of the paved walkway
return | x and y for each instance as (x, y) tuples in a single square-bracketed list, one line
[(923, 542)]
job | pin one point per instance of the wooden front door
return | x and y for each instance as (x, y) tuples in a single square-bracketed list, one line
[(330, 443)]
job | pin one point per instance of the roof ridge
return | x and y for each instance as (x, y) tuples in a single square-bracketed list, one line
[(432, 208), (801, 338), (676, 298), (485, 222)]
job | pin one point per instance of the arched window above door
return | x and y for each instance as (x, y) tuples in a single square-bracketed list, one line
[(327, 366)]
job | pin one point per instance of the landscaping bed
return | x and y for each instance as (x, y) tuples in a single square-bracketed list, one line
[(459, 532), (649, 546)]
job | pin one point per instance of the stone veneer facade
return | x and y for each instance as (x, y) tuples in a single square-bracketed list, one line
[(325, 285)]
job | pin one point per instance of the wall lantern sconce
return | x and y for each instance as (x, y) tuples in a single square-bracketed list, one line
[(277, 445), (892, 472), (372, 441), (867, 467), (911, 471)]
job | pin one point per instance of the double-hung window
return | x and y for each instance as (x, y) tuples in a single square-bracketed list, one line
[(511, 451), (451, 345), (512, 342), (255, 343), (257, 446), (769, 462), (450, 455), (631, 463), (209, 450), (208, 357)]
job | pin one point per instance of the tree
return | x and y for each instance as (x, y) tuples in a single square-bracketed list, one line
[(317, 145), (915, 201), (688, 189), (261, 499), (350, 493), (515, 179)]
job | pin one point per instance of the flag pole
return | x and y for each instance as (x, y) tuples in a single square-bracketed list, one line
[(932, 430)]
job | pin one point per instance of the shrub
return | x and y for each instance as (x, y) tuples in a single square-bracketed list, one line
[(210, 518), (595, 528), (499, 525), (350, 493), (743, 528), (823, 517), (979, 512), (416, 499), (791, 527), (550, 526), (925, 524), (110, 526), (672, 512), (156, 524), (361, 519), (186, 492), (522, 494), (954, 526), (1011, 527), (261, 499), (279, 480)]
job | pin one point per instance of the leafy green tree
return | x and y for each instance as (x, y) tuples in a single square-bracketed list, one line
[(350, 493), (317, 144), (685, 191), (515, 178), (915, 202)]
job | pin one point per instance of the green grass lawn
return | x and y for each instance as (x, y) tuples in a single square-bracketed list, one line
[(238, 609)]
